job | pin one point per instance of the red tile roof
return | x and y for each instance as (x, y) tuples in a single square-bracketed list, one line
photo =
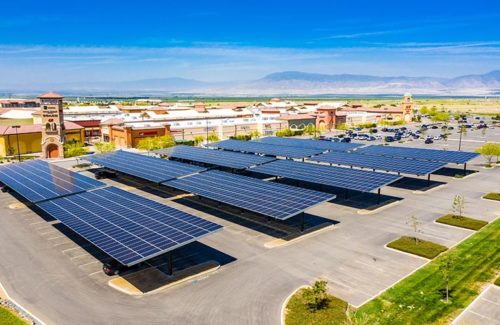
[(33, 128), (51, 95)]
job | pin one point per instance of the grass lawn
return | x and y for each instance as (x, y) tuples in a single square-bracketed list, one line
[(463, 222), (418, 299), (8, 318), (297, 312), (492, 196), (422, 248)]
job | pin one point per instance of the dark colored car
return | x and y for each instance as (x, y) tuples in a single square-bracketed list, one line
[(373, 130), (428, 141), (112, 268), (389, 139), (346, 139), (434, 127), (5, 189), (105, 174)]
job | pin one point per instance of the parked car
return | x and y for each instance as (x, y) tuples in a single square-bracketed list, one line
[(389, 139), (373, 130), (113, 268), (104, 173), (346, 139), (450, 127), (437, 137), (428, 141), (371, 138), (416, 136), (434, 127)]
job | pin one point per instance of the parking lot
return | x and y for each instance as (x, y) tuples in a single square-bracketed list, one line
[(45, 265)]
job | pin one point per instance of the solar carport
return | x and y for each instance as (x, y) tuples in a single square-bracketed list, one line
[(222, 158), (126, 226), (447, 156), (312, 144), (37, 180), (266, 149), (345, 178), (389, 164), (149, 168), (273, 200)]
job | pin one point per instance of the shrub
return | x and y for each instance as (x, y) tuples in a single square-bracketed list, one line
[(441, 117), (184, 142), (213, 137), (104, 147), (74, 149), (243, 137), (198, 139), (316, 297), (155, 143)]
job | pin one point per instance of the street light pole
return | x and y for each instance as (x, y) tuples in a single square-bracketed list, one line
[(17, 140)]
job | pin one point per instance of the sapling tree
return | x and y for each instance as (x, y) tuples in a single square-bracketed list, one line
[(316, 297), (458, 205), (446, 264), (415, 224)]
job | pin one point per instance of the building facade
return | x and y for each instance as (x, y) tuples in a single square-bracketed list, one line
[(53, 135)]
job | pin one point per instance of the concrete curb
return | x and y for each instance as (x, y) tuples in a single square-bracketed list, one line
[(22, 310), (452, 226), (281, 242)]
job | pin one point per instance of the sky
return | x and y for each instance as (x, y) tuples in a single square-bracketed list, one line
[(92, 41)]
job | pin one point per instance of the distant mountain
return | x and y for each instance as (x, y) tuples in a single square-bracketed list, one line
[(281, 84)]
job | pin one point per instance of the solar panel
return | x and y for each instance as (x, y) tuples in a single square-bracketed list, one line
[(37, 180), (267, 198), (313, 144), (126, 226), (222, 158), (352, 179), (265, 149), (448, 156), (149, 168), (390, 164)]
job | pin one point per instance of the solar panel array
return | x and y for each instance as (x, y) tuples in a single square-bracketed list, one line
[(448, 156), (265, 149), (37, 180), (149, 168), (128, 227), (267, 198), (222, 158), (313, 144), (390, 164), (353, 179)]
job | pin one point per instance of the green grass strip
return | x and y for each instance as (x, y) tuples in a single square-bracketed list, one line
[(492, 196), (9, 318), (418, 247), (298, 313), (463, 222), (419, 298)]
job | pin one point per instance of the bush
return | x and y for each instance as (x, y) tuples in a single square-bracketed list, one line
[(198, 139), (392, 123), (155, 143), (213, 137), (463, 222), (184, 142), (417, 246), (74, 149), (242, 137), (492, 196), (367, 125), (441, 117), (104, 147), (285, 133)]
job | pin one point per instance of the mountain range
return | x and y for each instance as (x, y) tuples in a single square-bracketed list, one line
[(283, 83)]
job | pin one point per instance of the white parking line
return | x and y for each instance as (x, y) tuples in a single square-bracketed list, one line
[(78, 256), (57, 237), (70, 249), (93, 262), (37, 223)]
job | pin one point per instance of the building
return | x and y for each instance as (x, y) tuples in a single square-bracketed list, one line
[(53, 132), (299, 121), (30, 138)]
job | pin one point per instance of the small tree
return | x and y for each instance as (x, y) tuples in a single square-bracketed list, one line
[(488, 151), (424, 110), (104, 147), (11, 151), (441, 117), (458, 205), (415, 224), (213, 137), (316, 297), (197, 140), (446, 264), (255, 134)]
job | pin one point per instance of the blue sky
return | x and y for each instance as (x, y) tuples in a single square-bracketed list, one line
[(73, 41)]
